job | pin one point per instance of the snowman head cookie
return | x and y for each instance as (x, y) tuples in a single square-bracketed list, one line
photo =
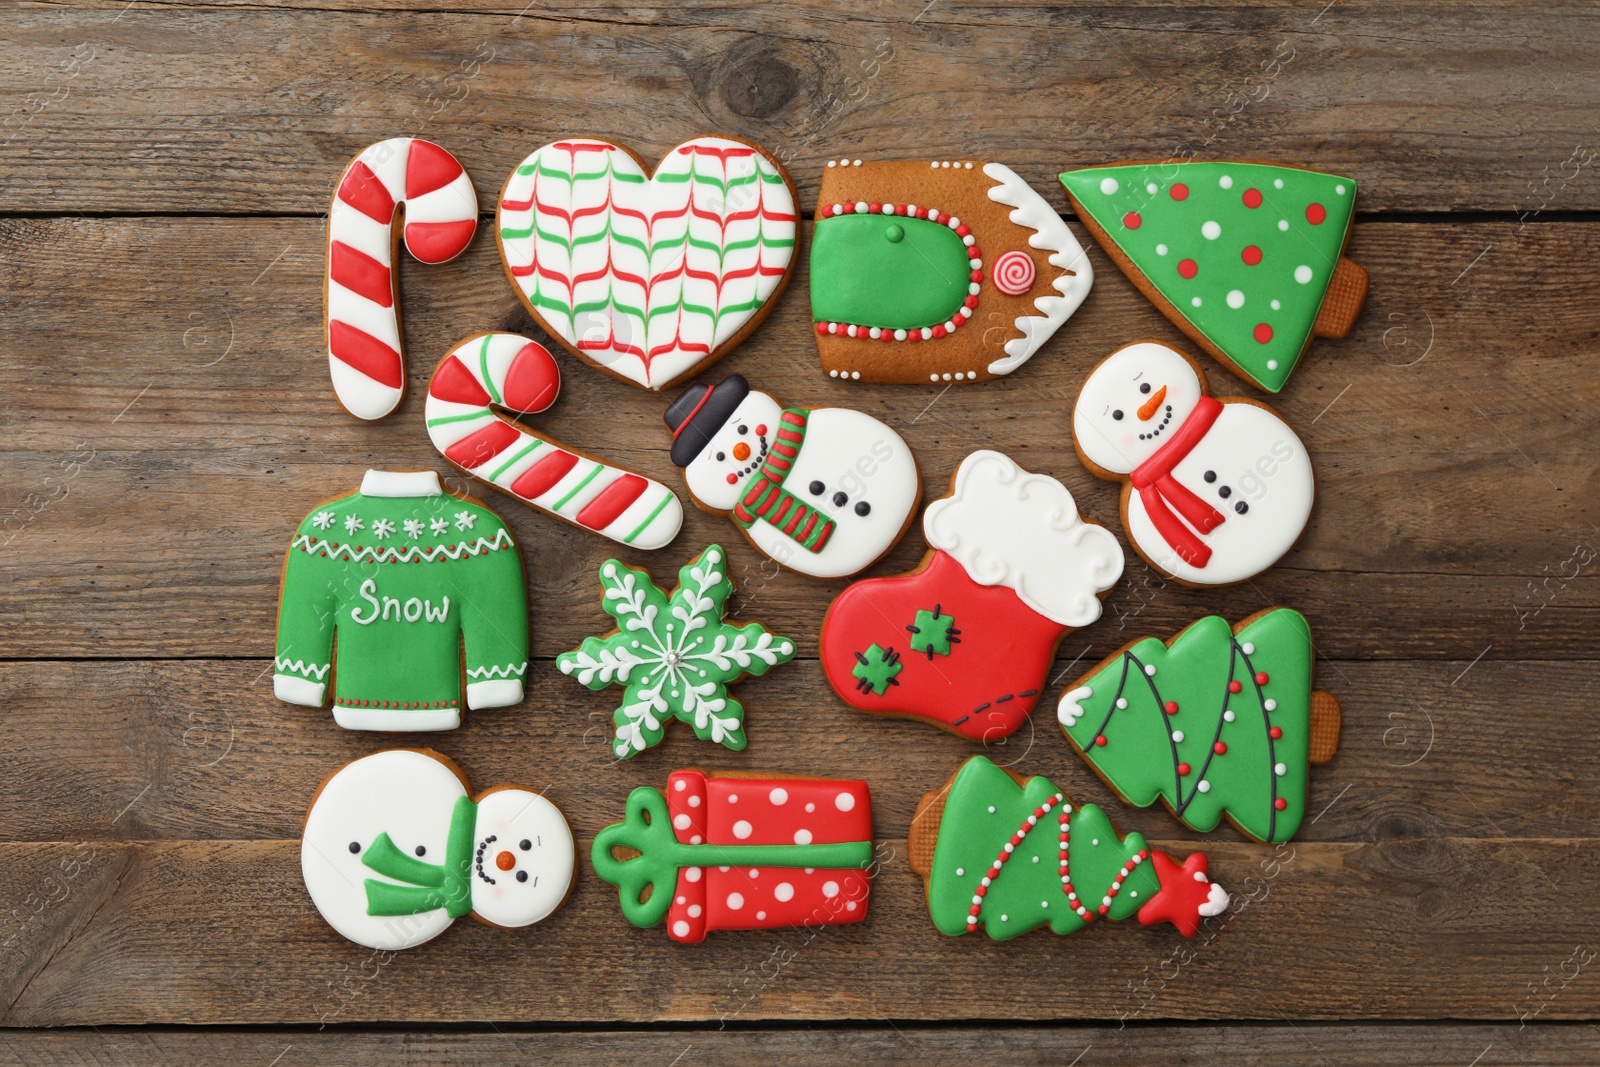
[(722, 438), (395, 850), (1216, 490)]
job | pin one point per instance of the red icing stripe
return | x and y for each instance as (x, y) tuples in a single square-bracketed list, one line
[(455, 383), (603, 510), (429, 167), (360, 273), (365, 353), (362, 190), (537, 479), (480, 447), (532, 380), (437, 242)]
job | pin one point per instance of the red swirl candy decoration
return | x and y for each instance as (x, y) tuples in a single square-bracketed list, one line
[(1014, 273)]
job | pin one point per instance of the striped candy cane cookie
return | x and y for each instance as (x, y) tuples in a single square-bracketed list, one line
[(362, 296), (508, 371)]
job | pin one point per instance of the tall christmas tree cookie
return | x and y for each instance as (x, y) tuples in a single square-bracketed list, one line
[(1245, 258), (1013, 854), (1218, 721)]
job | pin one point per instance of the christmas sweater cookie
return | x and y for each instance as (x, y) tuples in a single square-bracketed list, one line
[(1219, 721), (1013, 853), (651, 277), (512, 373), (396, 847), (1216, 490), (402, 575), (674, 656), (965, 641), (937, 272), (823, 491), (403, 178), (1245, 258), (722, 851)]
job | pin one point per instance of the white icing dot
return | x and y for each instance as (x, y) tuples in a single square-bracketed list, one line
[(1177, 735), (680, 928), (850, 905), (802, 837), (1275, 307), (1280, 769), (681, 821), (1122, 702), (861, 207), (811, 870), (899, 335), (1227, 716), (960, 871), (733, 798), (1210, 230), (735, 901), (694, 911), (783, 892), (1204, 786), (1272, 364), (855, 374), (1249, 647), (692, 874), (1270, 705), (1095, 842), (1196, 301), (1150, 188), (1277, 183), (830, 889), (682, 900), (1339, 189), (755, 872), (742, 829), (1161, 250), (947, 377), (845, 802), (1225, 181), (761, 916), (1302, 274), (1036, 859), (933, 377), (1005, 918), (831, 163), (1044, 903), (679, 785), (694, 801), (1109, 186), (991, 809), (1235, 298), (696, 839), (811, 807), (1134, 893), (875, 333), (779, 795), (1150, 669)]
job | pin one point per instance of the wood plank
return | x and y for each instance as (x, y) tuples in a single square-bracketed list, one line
[(160, 451), (1432, 105), (221, 932), (195, 750), (1302, 1044)]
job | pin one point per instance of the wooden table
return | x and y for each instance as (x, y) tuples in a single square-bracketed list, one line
[(164, 174)]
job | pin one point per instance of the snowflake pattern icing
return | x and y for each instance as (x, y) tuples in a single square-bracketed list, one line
[(352, 524), (413, 527), (439, 525), (674, 655), (382, 528), (465, 519), (322, 520)]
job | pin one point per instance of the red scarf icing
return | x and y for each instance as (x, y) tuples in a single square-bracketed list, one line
[(1160, 492)]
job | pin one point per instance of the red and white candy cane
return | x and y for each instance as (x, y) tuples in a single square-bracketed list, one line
[(365, 354), (508, 371)]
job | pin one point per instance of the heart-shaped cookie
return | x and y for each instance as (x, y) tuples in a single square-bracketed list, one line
[(651, 277)]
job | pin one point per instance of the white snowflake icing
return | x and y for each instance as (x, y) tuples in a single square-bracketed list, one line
[(382, 528), (439, 525), (322, 520), (352, 524), (465, 519), (413, 527)]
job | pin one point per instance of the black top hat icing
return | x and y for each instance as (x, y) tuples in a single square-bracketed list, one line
[(696, 416)]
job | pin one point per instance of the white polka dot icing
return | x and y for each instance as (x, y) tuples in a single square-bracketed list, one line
[(1109, 186), (1210, 230), (779, 795)]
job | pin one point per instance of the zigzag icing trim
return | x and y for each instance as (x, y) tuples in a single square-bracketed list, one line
[(511, 671), (314, 546), (300, 666)]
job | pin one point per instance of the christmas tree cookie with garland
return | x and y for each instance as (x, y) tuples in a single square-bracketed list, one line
[(674, 655), (1012, 854), (1245, 258), (1220, 721)]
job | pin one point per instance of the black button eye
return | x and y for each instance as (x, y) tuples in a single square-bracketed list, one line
[(816, 488), (863, 508), (840, 500), (421, 851), (1209, 476), (1241, 507), (355, 846), (525, 845), (1145, 388), (522, 876), (1117, 415), (721, 456), (1224, 492), (743, 430)]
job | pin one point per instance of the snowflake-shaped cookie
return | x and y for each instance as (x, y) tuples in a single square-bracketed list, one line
[(676, 656)]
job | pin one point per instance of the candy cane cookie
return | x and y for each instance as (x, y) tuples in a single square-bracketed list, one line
[(362, 296), (510, 372)]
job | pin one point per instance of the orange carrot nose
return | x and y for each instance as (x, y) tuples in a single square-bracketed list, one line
[(505, 861), (741, 451), (1148, 409)]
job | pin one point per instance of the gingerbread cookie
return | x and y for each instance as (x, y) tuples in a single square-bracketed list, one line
[(674, 655), (723, 851), (650, 276), (1245, 258), (1218, 721), (1216, 490), (825, 491), (396, 848), (402, 575), (949, 271), (966, 640), (1015, 853), (512, 373), (403, 176)]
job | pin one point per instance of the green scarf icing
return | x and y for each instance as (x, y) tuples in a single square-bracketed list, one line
[(428, 886)]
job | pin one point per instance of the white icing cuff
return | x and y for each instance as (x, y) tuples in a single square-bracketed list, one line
[(401, 483), (1216, 901), (390, 720), (498, 693), (292, 690)]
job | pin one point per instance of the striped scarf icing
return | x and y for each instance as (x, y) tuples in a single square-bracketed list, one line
[(764, 496)]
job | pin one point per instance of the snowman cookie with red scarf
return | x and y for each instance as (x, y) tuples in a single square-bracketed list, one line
[(1216, 489)]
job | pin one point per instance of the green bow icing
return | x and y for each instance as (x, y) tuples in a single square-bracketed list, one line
[(428, 886), (647, 828)]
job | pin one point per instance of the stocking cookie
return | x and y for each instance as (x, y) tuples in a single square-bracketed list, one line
[(1014, 853), (403, 176), (396, 848), (723, 851), (1218, 721), (825, 491), (937, 272), (512, 373), (966, 640), (674, 655), (651, 277), (403, 576), (1245, 258), (1216, 490)]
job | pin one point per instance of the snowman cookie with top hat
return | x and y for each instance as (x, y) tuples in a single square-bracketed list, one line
[(824, 491), (1216, 489)]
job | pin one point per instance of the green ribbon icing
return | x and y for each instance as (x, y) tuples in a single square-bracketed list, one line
[(895, 272), (428, 886)]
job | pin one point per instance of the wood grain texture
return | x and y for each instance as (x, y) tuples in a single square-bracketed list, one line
[(202, 108)]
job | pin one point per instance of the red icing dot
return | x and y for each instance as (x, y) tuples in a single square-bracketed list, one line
[(1280, 803), (1234, 687), (1132, 220), (822, 327), (1275, 733), (1261, 678), (1263, 332), (1183, 768), (1252, 198), (1172, 707), (733, 479), (874, 207), (1101, 740), (1220, 748), (938, 331), (1180, 191), (761, 429), (1187, 268), (1251, 255), (1315, 214)]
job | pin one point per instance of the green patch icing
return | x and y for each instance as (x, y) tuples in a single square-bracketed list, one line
[(896, 273)]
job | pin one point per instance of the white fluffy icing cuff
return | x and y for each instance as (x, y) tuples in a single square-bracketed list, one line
[(1008, 527)]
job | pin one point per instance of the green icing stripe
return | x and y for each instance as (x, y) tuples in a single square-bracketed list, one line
[(483, 365), (559, 504), (512, 462), (648, 519), (443, 419)]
